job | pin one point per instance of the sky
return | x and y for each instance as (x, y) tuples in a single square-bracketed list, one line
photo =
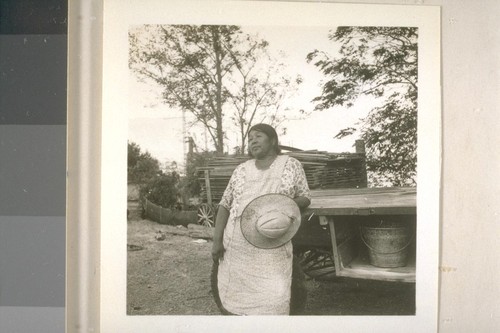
[(159, 129)]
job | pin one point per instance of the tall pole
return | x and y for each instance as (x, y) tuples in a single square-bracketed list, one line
[(205, 137), (184, 139)]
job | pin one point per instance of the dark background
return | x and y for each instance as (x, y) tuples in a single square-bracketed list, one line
[(33, 52)]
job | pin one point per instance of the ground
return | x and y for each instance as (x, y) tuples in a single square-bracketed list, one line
[(171, 276)]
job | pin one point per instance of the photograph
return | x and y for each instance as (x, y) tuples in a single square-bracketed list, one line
[(341, 101), (268, 165)]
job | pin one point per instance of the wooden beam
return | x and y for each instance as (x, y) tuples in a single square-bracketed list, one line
[(333, 238)]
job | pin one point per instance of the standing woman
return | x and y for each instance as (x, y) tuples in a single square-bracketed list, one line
[(253, 280)]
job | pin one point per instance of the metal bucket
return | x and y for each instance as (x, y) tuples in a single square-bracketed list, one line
[(387, 246)]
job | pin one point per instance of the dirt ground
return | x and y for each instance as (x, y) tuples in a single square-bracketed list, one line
[(172, 277)]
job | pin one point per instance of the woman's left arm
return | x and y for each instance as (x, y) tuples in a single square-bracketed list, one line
[(302, 192)]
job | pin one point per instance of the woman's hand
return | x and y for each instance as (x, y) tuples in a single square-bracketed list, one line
[(217, 251), (220, 224)]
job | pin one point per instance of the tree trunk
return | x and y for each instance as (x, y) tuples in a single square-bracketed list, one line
[(243, 143), (218, 113)]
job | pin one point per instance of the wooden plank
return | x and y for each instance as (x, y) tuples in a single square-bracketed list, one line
[(361, 211), (359, 191), (367, 201), (364, 201), (207, 184), (336, 256), (363, 270)]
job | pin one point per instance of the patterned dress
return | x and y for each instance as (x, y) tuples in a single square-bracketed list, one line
[(253, 281)]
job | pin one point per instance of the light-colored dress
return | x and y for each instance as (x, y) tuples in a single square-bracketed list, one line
[(253, 281)]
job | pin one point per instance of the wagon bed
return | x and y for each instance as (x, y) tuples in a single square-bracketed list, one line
[(339, 213)]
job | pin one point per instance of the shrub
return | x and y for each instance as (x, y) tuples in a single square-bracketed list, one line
[(162, 190)]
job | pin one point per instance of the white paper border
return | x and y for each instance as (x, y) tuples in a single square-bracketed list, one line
[(119, 15)]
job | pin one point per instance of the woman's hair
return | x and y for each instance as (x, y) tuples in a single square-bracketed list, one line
[(270, 132)]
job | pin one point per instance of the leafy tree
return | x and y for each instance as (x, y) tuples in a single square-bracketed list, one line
[(215, 72), (162, 190), (380, 62), (142, 167), (156, 185)]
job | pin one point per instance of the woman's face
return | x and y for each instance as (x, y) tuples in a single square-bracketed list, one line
[(260, 144)]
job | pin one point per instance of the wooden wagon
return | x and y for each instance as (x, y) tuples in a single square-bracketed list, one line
[(329, 241)]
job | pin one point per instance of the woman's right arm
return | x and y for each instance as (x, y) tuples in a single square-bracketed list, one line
[(220, 225), (223, 215)]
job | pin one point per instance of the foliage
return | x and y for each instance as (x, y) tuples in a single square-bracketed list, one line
[(141, 166), (217, 73), (162, 190), (156, 185), (380, 62)]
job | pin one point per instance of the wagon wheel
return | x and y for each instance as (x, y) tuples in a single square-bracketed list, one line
[(317, 263), (206, 215)]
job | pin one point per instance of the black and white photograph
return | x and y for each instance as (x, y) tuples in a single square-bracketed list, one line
[(217, 85), (272, 165)]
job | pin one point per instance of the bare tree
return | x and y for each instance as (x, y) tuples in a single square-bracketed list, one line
[(217, 73)]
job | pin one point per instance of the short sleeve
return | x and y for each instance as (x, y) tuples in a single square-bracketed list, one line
[(229, 193), (294, 181), (300, 181)]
